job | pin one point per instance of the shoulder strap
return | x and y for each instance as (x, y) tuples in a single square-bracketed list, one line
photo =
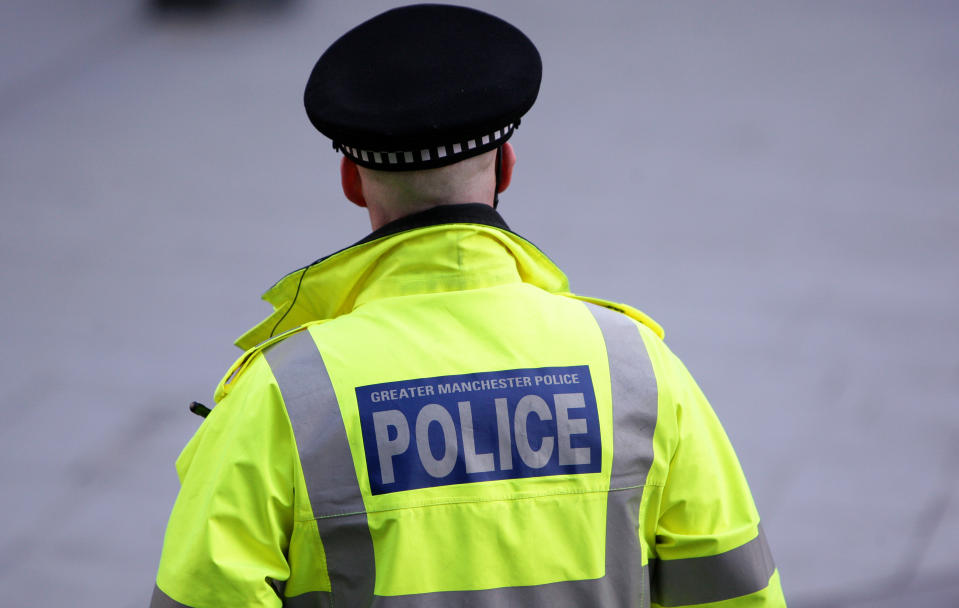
[(626, 309), (240, 365)]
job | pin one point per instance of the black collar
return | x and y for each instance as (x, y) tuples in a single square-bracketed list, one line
[(468, 213)]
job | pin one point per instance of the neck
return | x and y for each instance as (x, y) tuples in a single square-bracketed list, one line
[(380, 215)]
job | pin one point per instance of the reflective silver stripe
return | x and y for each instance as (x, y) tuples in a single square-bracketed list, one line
[(626, 583), (635, 407), (635, 398), (737, 572), (327, 466), (564, 594), (162, 600), (313, 599)]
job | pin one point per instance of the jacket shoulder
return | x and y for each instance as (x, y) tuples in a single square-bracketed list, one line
[(243, 362), (626, 309)]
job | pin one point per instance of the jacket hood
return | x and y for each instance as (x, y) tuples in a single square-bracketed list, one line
[(448, 248)]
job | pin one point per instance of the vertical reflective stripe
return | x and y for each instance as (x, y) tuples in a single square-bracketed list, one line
[(635, 406), (698, 580), (626, 582), (635, 398), (162, 600), (327, 463)]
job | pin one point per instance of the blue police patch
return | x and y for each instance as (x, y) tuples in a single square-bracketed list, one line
[(479, 427)]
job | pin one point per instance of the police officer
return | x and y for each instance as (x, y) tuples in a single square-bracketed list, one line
[(430, 417)]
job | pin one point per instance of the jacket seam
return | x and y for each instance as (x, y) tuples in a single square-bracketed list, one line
[(441, 503)]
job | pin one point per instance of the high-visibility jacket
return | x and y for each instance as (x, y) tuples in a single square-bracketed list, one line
[(430, 418)]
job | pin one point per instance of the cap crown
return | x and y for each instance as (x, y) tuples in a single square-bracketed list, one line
[(419, 77)]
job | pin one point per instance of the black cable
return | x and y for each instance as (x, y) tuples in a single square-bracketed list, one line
[(499, 161), (295, 294)]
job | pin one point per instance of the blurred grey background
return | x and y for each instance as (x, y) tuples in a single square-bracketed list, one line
[(776, 183)]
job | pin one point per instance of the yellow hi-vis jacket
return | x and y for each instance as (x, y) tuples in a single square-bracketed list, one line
[(437, 421)]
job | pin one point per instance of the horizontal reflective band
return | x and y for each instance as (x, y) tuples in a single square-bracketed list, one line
[(313, 599), (162, 600), (598, 592), (327, 466), (698, 580)]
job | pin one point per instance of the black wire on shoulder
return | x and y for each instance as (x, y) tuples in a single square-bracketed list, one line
[(295, 295)]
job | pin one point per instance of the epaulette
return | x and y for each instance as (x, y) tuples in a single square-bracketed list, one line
[(241, 364), (626, 309)]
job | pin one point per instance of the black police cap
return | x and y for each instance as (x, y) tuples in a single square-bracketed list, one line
[(423, 86)]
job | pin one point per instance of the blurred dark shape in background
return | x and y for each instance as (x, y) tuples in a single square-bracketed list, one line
[(207, 8)]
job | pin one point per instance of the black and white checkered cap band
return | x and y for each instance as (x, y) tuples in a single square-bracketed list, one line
[(425, 158)]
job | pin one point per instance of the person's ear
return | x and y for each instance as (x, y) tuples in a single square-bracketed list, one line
[(507, 162), (351, 182)]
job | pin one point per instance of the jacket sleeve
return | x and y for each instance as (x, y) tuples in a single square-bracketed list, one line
[(229, 532), (708, 548)]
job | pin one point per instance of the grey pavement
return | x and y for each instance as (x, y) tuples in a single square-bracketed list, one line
[(776, 183)]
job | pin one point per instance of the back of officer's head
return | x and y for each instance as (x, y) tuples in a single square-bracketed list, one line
[(468, 181), (420, 97)]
